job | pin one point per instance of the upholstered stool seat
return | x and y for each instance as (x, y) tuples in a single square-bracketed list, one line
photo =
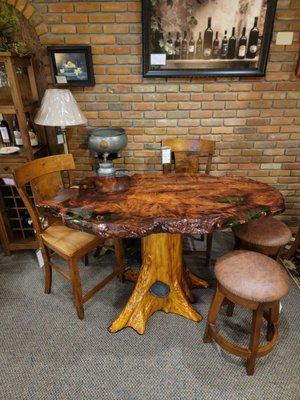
[(253, 281), (252, 276), (266, 235)]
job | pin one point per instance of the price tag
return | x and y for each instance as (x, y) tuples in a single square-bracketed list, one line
[(40, 258), (9, 181), (158, 59), (60, 138), (61, 79), (166, 155)]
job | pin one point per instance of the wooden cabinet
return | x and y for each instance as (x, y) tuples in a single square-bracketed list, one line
[(18, 99)]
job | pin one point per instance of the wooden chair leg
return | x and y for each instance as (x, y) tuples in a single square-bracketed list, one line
[(47, 271), (273, 321), (119, 252), (209, 239), (255, 339), (77, 290), (212, 314)]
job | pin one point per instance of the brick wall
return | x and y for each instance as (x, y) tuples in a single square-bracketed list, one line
[(256, 121)]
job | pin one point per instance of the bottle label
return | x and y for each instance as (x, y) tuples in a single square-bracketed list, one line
[(242, 51), (253, 49), (4, 134), (207, 52), (18, 138), (191, 49), (224, 49)]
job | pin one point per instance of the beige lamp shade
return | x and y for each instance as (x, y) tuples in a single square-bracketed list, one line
[(59, 108)]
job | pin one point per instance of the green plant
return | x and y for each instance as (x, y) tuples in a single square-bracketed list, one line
[(9, 30)]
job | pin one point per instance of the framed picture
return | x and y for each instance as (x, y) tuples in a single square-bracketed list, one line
[(206, 37), (71, 65)]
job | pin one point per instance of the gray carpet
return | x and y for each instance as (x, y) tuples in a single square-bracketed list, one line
[(47, 353)]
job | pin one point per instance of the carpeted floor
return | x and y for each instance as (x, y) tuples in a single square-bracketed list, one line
[(47, 353)]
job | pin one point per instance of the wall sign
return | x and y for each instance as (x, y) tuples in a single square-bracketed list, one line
[(206, 37)]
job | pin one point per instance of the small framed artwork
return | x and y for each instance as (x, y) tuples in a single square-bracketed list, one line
[(71, 65), (206, 37)]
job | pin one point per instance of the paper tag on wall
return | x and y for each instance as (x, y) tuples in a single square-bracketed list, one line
[(166, 155), (158, 59), (40, 258), (61, 79)]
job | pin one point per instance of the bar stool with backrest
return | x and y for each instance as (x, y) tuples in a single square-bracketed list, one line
[(255, 282), (187, 154), (44, 175)]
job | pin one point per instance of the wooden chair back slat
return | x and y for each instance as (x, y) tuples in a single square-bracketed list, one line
[(44, 175), (42, 166), (187, 152)]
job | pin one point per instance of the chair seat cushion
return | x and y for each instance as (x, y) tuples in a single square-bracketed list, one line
[(267, 231), (68, 241), (252, 276)]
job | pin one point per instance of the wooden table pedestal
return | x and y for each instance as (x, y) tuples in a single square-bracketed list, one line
[(163, 284)]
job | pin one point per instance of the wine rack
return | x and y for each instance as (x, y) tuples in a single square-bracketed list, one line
[(18, 99), (16, 229)]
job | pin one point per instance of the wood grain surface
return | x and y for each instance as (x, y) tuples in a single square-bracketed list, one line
[(152, 203)]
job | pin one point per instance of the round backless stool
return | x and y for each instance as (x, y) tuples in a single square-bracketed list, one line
[(253, 281), (266, 235)]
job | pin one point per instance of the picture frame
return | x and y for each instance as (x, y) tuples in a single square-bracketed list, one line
[(172, 44), (71, 65)]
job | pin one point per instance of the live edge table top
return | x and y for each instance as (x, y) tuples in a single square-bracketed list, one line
[(141, 204)]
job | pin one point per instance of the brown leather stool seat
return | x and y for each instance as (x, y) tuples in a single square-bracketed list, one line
[(253, 281), (252, 276), (266, 235)]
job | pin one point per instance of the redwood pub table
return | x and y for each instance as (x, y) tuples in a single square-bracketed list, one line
[(160, 208)]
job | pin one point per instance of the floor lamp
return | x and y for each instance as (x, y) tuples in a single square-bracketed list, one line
[(59, 109)]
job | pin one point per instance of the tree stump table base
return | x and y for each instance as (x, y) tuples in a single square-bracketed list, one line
[(162, 284)]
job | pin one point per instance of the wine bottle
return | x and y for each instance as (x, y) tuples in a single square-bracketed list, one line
[(216, 46), (242, 45), (177, 47), (170, 51), (191, 47), (32, 135), (253, 40), (199, 46), (17, 133), (224, 46), (5, 132), (184, 46), (208, 38), (231, 45)]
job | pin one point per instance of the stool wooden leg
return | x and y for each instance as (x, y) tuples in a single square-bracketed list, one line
[(273, 321), (212, 314), (255, 339), (230, 308), (209, 239), (47, 271), (77, 290)]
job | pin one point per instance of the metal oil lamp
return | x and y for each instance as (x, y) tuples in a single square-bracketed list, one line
[(106, 141)]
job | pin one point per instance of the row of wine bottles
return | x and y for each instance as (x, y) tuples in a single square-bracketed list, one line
[(213, 48), (12, 137)]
